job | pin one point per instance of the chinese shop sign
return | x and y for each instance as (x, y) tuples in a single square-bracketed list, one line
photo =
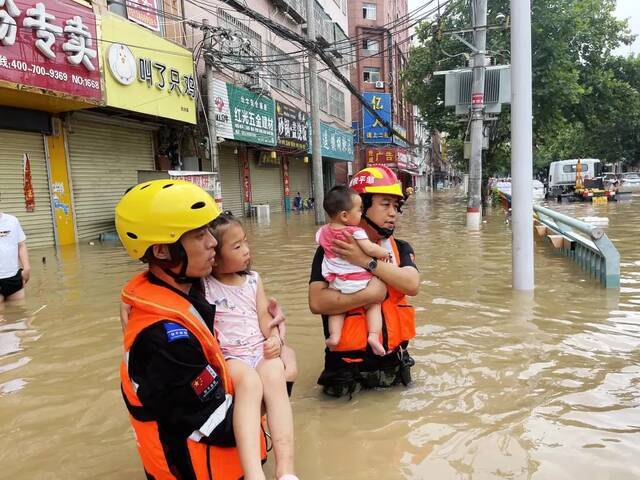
[(292, 127), (285, 177), (145, 13), (372, 129), (243, 115), (381, 156), (396, 139), (336, 143), (246, 176), (156, 80), (50, 45)]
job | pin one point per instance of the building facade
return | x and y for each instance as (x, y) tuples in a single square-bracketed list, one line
[(88, 98), (422, 150), (379, 32), (261, 100)]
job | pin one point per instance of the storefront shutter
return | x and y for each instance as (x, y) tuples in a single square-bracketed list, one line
[(231, 181), (299, 178), (37, 225), (105, 158), (266, 184)]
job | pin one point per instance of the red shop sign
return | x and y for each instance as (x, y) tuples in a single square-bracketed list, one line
[(51, 44), (285, 176), (246, 177), (381, 155)]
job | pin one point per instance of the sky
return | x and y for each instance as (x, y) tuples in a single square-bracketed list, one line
[(625, 9)]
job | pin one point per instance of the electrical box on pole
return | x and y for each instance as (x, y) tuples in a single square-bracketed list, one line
[(497, 88)]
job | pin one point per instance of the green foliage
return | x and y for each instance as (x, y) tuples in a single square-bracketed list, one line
[(586, 101)]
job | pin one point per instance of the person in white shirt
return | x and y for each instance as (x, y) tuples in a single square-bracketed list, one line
[(15, 269)]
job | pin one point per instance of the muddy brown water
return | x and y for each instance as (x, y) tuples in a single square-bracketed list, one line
[(506, 385)]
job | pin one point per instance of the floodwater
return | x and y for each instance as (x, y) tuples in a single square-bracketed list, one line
[(506, 385)]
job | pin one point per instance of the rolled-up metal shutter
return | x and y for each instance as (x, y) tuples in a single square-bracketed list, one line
[(299, 178), (105, 158), (37, 225), (266, 184), (231, 181)]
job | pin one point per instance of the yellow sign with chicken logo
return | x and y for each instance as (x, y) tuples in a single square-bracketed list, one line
[(145, 73)]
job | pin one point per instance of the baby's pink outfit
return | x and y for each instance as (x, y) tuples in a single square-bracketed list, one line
[(236, 325), (341, 275)]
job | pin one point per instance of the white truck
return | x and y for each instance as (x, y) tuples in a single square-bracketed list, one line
[(562, 174)]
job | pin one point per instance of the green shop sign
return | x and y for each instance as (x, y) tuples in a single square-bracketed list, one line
[(243, 115), (336, 143)]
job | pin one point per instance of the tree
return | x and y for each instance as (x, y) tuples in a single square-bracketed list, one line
[(586, 102)]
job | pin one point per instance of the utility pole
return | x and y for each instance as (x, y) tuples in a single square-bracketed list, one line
[(521, 146), (474, 202), (316, 149), (211, 108)]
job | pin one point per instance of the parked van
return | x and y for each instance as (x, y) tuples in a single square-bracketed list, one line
[(562, 174)]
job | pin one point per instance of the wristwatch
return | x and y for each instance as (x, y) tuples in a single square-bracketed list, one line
[(372, 265)]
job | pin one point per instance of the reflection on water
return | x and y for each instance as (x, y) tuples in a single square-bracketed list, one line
[(507, 385)]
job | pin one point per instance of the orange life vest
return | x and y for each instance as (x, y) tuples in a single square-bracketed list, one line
[(398, 325), (151, 304)]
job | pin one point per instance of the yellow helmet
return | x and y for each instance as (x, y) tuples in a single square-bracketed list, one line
[(160, 212)]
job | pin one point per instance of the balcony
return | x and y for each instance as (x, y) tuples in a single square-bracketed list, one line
[(294, 8), (341, 48), (324, 26)]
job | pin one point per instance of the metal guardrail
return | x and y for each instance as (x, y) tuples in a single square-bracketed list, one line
[(582, 242)]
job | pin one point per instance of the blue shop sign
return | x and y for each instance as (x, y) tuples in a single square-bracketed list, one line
[(372, 129), (336, 143), (403, 132)]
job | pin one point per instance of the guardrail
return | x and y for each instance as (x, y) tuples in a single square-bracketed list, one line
[(582, 242)]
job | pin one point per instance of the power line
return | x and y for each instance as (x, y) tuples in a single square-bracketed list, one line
[(315, 48), (281, 59), (391, 25), (387, 49)]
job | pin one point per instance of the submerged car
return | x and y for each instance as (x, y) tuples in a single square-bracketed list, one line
[(631, 181)]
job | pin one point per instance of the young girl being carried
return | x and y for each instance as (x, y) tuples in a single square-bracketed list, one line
[(344, 208), (258, 360)]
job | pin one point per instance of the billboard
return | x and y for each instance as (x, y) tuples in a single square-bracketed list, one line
[(244, 115), (52, 46), (145, 73), (372, 129)]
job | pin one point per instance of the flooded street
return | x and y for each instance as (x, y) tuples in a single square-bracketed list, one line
[(506, 385)]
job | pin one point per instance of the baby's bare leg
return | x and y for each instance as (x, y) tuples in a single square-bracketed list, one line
[(335, 330), (374, 327)]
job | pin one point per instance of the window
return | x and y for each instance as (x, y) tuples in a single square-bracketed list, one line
[(322, 91), (283, 71), (336, 102), (573, 169), (371, 74), (322, 88), (369, 11), (371, 46)]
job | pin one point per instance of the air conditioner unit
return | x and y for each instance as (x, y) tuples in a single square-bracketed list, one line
[(258, 83), (379, 84)]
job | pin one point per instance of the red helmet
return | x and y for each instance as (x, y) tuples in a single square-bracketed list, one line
[(377, 179)]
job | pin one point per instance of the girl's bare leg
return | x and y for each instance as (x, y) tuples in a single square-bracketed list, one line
[(246, 417), (279, 415)]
